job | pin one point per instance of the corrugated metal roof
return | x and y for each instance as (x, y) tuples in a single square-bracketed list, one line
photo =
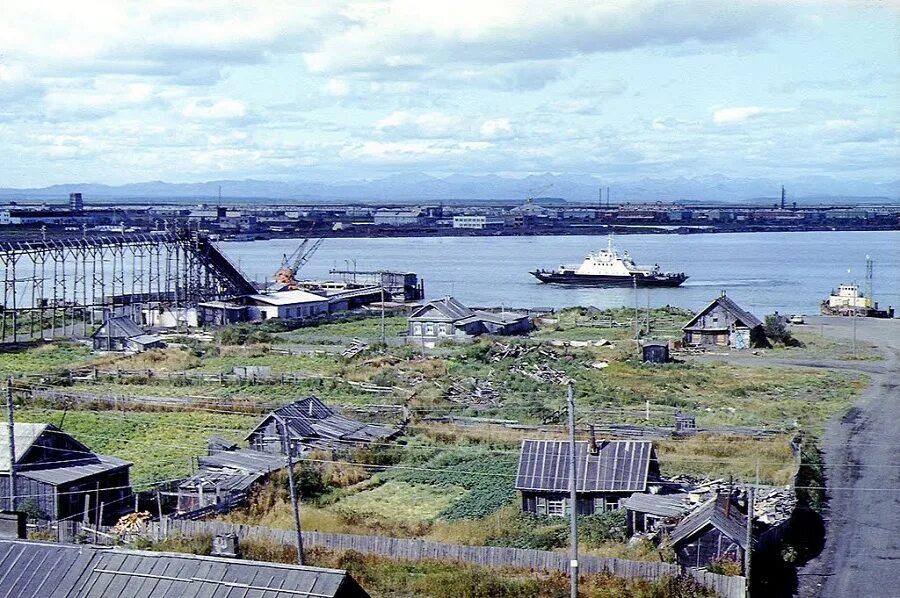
[(310, 418), (56, 475), (40, 570), (618, 466), (662, 505), (25, 436), (713, 512)]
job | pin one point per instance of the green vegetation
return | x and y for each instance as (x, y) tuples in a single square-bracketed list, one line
[(45, 357), (580, 323), (161, 445)]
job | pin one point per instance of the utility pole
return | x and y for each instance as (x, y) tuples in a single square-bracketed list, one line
[(573, 502), (383, 339), (637, 344), (286, 446), (12, 445), (748, 550)]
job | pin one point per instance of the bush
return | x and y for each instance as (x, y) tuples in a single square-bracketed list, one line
[(725, 566), (603, 527)]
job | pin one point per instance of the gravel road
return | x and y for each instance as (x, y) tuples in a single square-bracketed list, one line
[(861, 556)]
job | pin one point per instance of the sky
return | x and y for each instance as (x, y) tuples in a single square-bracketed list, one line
[(119, 92)]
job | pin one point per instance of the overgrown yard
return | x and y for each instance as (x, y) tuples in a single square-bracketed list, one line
[(161, 445)]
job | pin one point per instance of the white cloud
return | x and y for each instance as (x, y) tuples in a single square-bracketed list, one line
[(429, 124), (739, 114), (215, 109), (338, 88), (496, 128)]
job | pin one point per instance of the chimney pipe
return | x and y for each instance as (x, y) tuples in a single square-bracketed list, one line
[(593, 447)]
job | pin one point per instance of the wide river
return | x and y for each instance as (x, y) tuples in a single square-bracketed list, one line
[(764, 272)]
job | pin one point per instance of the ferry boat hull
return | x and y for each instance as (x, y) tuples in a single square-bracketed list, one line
[(601, 280)]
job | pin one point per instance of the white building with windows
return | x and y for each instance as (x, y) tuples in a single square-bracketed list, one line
[(476, 222), (286, 305)]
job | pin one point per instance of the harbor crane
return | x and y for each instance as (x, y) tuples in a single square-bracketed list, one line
[(291, 264)]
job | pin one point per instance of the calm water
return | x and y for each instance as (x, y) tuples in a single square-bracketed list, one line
[(764, 272)]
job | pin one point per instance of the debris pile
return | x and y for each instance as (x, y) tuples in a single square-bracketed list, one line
[(474, 392), (772, 505), (514, 350), (542, 372), (132, 523), (355, 348)]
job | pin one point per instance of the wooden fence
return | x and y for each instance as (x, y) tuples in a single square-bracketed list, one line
[(485, 556)]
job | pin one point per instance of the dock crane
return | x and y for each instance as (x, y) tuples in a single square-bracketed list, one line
[(291, 264)]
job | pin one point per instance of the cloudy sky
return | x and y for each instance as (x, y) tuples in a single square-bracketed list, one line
[(119, 92)]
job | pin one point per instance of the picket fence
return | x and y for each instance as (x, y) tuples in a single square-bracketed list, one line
[(485, 556)]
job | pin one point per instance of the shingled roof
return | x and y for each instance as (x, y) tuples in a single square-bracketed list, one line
[(310, 419), (617, 466), (44, 570), (740, 314), (717, 513)]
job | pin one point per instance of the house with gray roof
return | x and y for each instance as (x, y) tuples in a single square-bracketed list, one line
[(50, 570), (608, 472), (724, 324), (716, 531), (122, 334), (448, 319), (58, 477), (309, 423)]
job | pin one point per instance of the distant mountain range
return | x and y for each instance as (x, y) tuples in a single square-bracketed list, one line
[(423, 188)]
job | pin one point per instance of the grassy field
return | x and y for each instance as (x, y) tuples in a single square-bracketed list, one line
[(613, 324), (47, 357), (161, 445)]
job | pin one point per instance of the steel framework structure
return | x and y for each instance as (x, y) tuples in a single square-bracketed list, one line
[(60, 285)]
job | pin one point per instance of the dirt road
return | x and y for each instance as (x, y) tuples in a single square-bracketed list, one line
[(861, 556)]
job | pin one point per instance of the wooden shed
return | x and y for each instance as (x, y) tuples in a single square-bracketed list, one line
[(655, 352), (724, 324), (716, 531), (57, 477), (608, 473), (122, 334)]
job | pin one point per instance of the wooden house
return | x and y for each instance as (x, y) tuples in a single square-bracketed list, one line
[(716, 531), (122, 334), (309, 423), (608, 472), (723, 323), (448, 319), (58, 477)]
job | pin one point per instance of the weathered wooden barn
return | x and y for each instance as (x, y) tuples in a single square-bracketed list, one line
[(608, 472), (311, 424), (716, 531), (723, 323), (448, 319), (122, 334), (57, 477)]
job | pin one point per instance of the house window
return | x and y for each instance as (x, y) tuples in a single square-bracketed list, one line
[(443, 329), (417, 328), (556, 507), (599, 505), (429, 329)]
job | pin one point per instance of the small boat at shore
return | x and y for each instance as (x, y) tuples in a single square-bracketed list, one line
[(607, 268)]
